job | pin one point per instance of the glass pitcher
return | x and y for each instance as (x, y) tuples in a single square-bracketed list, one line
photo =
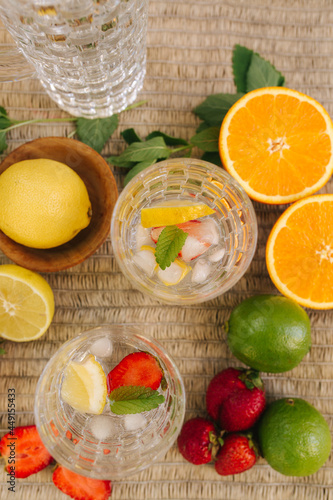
[(90, 55)]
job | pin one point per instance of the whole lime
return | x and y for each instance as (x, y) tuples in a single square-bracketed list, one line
[(294, 437), (269, 333)]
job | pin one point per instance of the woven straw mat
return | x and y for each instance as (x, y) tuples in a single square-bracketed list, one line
[(190, 46)]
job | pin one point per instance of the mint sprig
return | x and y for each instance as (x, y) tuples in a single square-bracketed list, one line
[(134, 399), (169, 244), (95, 133)]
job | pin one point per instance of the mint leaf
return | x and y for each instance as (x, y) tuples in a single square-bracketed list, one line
[(213, 109), (169, 244), (96, 132), (3, 142), (262, 73), (130, 136), (5, 121), (202, 126), (212, 157), (150, 150), (134, 399), (207, 140), (241, 60), (168, 139), (136, 170)]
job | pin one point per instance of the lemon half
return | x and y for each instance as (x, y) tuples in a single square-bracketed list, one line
[(26, 304)]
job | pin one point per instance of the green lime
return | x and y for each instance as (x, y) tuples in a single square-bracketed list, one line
[(294, 437), (269, 333)]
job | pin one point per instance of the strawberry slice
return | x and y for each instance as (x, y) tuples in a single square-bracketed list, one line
[(138, 368), (201, 235), (24, 452), (80, 487)]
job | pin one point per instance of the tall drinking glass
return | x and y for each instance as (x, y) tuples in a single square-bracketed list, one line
[(90, 55), (107, 446)]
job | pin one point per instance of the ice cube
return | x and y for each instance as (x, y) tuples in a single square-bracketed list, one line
[(142, 236), (102, 427), (135, 421), (102, 348), (217, 255), (200, 271), (174, 273), (211, 234), (145, 259), (192, 249)]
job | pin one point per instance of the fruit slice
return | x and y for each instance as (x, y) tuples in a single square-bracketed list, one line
[(136, 369), (277, 143), (80, 487), (24, 452), (170, 215), (173, 274), (201, 235), (84, 386), (299, 252), (26, 304)]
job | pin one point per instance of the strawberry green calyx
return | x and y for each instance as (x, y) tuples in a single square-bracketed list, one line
[(251, 379), (216, 441)]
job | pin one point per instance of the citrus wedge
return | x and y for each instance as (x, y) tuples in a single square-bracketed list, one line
[(169, 215), (84, 386), (26, 304), (299, 252), (277, 143)]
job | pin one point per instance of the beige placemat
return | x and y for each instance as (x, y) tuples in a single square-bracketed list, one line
[(189, 57)]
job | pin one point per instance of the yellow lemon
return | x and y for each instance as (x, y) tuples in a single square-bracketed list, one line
[(171, 214), (44, 203), (84, 386), (26, 304)]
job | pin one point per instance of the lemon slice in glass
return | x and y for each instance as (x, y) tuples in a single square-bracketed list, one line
[(171, 214), (84, 386), (26, 304)]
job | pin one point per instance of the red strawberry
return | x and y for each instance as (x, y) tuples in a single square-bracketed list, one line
[(138, 368), (236, 399), (237, 454), (201, 235), (24, 452), (198, 441), (80, 487)]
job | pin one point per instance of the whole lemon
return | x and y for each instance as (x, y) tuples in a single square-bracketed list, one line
[(44, 203)]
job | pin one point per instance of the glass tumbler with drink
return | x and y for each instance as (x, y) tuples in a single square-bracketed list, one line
[(183, 231), (109, 403)]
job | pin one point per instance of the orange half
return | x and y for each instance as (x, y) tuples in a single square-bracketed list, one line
[(299, 252), (277, 143)]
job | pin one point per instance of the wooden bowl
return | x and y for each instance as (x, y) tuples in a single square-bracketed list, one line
[(103, 194)]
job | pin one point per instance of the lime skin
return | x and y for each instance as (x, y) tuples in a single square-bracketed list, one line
[(294, 437), (269, 333)]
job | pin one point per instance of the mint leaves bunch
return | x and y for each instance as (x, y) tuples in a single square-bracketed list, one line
[(250, 72)]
